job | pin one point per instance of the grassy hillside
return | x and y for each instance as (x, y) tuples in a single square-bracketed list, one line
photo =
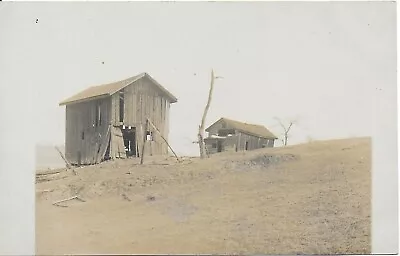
[(311, 198)]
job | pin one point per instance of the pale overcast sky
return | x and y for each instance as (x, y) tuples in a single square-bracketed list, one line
[(320, 63)]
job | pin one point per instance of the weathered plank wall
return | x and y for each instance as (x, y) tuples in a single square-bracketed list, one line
[(82, 137), (228, 144), (239, 139), (238, 142), (142, 99), (209, 146), (214, 129), (253, 142)]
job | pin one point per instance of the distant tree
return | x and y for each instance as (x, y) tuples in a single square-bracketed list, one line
[(201, 133), (286, 129)]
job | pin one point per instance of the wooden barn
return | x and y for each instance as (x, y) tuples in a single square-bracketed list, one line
[(230, 135), (108, 121)]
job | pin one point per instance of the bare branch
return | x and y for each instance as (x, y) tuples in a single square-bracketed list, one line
[(285, 129), (290, 126), (280, 123)]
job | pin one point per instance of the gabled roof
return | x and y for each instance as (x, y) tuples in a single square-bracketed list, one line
[(251, 129), (100, 91)]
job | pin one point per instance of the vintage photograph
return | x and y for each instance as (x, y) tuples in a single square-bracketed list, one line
[(205, 127)]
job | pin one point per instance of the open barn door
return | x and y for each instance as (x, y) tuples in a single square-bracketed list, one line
[(117, 147), (104, 144)]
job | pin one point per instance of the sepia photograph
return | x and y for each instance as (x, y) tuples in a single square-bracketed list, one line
[(205, 127)]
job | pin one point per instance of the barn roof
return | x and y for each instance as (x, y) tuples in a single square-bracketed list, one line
[(251, 129), (105, 90)]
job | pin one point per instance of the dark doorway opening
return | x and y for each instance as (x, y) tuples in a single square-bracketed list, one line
[(219, 146), (247, 145), (129, 136)]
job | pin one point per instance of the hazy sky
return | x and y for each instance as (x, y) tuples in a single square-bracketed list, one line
[(320, 63)]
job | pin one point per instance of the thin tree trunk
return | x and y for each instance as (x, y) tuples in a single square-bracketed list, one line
[(203, 120)]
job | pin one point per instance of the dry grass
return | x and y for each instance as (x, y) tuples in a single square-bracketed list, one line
[(306, 199)]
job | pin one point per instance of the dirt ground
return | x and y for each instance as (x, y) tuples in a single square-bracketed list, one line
[(306, 199)]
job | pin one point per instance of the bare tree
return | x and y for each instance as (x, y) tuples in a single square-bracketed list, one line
[(200, 135), (286, 130)]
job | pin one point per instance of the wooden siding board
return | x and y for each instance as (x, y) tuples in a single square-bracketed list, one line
[(118, 148), (147, 102), (81, 116), (238, 142)]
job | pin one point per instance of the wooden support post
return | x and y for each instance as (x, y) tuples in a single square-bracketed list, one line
[(63, 157), (144, 141), (157, 130), (69, 166)]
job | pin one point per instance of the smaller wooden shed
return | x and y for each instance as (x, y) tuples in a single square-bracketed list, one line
[(230, 135)]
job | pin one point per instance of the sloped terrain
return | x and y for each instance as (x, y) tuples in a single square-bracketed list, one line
[(304, 199)]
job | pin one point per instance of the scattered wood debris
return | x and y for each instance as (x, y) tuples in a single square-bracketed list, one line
[(151, 198), (47, 173), (45, 190), (68, 199), (126, 197), (44, 178)]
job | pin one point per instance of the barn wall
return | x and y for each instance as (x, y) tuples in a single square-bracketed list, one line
[(213, 130), (253, 142), (228, 144), (143, 99), (209, 146), (81, 135), (238, 142)]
